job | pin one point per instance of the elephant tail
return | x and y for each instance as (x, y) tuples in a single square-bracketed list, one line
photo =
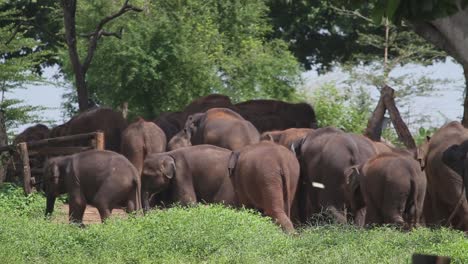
[(285, 193), (411, 207)]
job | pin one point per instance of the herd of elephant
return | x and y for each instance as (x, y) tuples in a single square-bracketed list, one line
[(261, 154)]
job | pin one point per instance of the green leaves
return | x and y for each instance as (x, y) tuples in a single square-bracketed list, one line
[(179, 50)]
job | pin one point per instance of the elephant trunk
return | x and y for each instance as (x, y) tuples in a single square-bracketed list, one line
[(50, 204)]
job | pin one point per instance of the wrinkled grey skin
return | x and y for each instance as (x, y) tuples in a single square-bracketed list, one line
[(192, 174), (265, 177), (140, 139), (103, 179), (325, 156), (221, 127), (444, 202), (391, 186)]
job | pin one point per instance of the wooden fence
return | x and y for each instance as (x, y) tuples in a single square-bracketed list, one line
[(48, 148)]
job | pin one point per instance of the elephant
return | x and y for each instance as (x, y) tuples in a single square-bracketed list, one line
[(221, 127), (189, 175), (104, 179), (445, 204), (32, 133), (325, 154), (180, 140), (455, 157), (391, 186), (268, 115), (106, 120), (140, 139), (170, 123), (265, 177), (285, 137)]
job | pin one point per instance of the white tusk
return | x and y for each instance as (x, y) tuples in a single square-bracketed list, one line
[(318, 185)]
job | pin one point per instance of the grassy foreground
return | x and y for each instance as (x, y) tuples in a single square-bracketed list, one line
[(204, 234)]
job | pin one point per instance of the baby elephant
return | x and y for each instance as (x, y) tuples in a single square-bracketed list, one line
[(192, 174), (265, 177), (101, 178), (392, 187)]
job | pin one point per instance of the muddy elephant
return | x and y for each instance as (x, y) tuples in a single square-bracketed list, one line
[(391, 186), (221, 127), (325, 155), (140, 139), (268, 115), (285, 137), (110, 122), (189, 175), (445, 204), (101, 178), (455, 157), (265, 177)]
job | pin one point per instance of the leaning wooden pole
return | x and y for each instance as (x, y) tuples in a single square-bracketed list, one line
[(400, 126), (99, 141), (24, 156)]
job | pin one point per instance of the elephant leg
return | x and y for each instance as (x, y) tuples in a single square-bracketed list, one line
[(276, 208), (105, 199), (372, 214), (394, 204), (282, 219), (360, 217), (77, 206)]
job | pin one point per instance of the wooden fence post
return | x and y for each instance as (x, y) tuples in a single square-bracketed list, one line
[(24, 156), (99, 141)]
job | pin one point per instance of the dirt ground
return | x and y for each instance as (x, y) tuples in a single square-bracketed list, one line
[(91, 215)]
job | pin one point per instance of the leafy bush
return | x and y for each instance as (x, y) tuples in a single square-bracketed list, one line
[(14, 202), (342, 109)]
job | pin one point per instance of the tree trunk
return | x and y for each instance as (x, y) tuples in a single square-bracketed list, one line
[(69, 12), (3, 142), (465, 102)]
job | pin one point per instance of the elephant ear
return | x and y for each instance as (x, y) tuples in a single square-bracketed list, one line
[(453, 157), (169, 169), (296, 146)]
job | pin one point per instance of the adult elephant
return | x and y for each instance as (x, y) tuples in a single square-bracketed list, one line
[(170, 123), (221, 127), (32, 133), (110, 122), (186, 176), (140, 139), (325, 155), (445, 203), (391, 186), (101, 178), (268, 115), (286, 137), (265, 177)]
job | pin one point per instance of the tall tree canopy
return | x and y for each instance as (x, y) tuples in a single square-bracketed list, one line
[(175, 51)]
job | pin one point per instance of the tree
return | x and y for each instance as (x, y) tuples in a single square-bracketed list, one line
[(16, 69), (176, 51), (442, 23), (80, 68)]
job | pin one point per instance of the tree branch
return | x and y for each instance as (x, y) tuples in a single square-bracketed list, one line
[(98, 32), (13, 35), (431, 34)]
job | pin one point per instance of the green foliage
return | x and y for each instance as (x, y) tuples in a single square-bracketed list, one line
[(214, 234), (175, 51), (17, 64), (13, 202), (347, 110)]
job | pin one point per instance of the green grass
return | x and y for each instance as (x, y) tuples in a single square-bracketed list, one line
[(205, 234)]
